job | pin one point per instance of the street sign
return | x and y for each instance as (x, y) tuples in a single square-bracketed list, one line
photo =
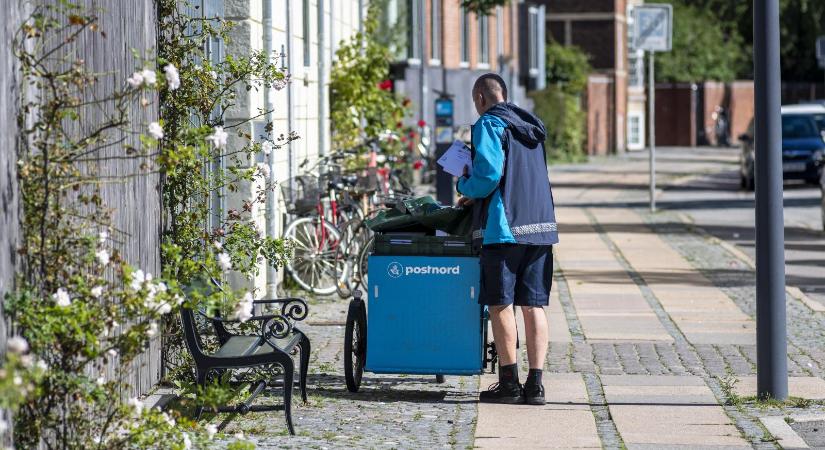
[(820, 51), (652, 32), (653, 27)]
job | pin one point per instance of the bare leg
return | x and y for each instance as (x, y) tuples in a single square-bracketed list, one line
[(535, 327), (504, 333)]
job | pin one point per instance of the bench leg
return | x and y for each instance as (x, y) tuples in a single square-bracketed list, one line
[(305, 350), (201, 380), (288, 380)]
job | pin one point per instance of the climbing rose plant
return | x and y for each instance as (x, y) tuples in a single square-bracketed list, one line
[(81, 312)]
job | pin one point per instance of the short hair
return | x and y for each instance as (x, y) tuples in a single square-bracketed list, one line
[(490, 85)]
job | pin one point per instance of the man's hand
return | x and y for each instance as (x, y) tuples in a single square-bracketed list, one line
[(464, 201)]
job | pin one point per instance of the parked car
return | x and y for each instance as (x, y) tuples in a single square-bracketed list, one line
[(803, 145)]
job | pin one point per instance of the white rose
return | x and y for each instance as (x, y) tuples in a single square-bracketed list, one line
[(243, 310), (211, 430), (266, 147), (97, 291), (172, 76), (136, 80), (152, 331), (102, 256), (218, 137), (149, 77), (155, 130), (225, 262), (17, 345), (61, 297)]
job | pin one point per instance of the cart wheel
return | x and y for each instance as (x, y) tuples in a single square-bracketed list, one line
[(355, 344), (439, 379)]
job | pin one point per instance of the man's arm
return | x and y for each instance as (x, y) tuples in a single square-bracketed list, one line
[(488, 163)]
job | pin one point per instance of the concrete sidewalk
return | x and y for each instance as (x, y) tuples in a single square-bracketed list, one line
[(655, 352)]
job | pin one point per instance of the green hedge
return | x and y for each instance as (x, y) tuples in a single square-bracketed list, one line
[(559, 105)]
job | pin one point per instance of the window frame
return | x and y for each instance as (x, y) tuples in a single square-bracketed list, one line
[(435, 31), (484, 41), (307, 29), (464, 49)]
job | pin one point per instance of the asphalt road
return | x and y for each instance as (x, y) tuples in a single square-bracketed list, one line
[(703, 183)]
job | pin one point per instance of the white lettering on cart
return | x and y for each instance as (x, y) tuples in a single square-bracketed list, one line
[(432, 270)]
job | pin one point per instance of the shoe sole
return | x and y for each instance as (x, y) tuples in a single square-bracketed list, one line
[(503, 401), (536, 401)]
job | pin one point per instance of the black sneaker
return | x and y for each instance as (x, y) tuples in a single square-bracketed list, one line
[(534, 394), (509, 393)]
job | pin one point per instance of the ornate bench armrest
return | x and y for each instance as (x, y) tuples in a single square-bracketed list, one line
[(293, 308)]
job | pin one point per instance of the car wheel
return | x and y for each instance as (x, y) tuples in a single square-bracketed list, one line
[(823, 207), (749, 184)]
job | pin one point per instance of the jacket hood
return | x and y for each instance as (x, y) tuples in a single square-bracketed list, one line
[(525, 127)]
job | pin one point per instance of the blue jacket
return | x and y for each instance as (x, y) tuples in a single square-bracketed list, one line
[(514, 200)]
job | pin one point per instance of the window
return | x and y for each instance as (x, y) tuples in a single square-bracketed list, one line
[(531, 45), (306, 32), (635, 131), (533, 27), (484, 39), (435, 29), (413, 29), (465, 37)]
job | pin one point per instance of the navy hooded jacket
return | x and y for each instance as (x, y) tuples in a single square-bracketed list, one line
[(509, 180)]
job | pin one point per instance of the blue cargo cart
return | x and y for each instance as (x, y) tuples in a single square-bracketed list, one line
[(422, 315)]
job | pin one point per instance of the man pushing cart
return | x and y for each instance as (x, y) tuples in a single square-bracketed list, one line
[(430, 296)]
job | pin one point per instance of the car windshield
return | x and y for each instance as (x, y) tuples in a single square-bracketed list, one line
[(799, 127)]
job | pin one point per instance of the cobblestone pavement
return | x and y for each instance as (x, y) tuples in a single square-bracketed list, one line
[(389, 411), (415, 412)]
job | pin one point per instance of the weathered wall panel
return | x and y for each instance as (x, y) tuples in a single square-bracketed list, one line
[(9, 205), (135, 199)]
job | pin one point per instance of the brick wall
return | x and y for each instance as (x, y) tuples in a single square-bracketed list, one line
[(600, 118)]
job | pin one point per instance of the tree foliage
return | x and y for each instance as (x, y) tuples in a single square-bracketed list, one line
[(361, 101), (801, 22), (482, 7), (702, 48), (559, 104)]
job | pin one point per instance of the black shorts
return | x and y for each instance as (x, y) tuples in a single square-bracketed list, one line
[(516, 274)]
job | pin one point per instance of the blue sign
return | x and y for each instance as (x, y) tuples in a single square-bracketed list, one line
[(444, 107), (653, 27)]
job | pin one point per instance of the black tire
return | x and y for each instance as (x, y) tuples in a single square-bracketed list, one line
[(823, 208), (355, 344), (439, 379), (749, 184)]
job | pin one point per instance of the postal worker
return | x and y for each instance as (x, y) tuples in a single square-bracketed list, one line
[(515, 225)]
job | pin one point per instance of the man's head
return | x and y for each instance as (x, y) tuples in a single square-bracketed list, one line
[(488, 90)]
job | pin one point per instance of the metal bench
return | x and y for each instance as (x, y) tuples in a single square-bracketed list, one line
[(271, 347)]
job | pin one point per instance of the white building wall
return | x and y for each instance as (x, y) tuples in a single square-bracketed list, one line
[(341, 20)]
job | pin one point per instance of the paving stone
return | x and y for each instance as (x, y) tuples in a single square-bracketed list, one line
[(811, 388), (565, 422)]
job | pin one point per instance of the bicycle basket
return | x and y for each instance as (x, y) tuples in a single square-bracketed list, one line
[(301, 194)]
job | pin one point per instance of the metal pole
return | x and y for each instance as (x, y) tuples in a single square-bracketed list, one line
[(269, 105), (771, 347), (651, 112)]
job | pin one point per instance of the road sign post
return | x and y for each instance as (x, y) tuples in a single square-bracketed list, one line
[(653, 32), (771, 347)]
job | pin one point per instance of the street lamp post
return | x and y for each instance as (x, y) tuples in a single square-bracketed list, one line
[(771, 347)]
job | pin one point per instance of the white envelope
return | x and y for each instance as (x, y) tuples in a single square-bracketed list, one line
[(456, 158)]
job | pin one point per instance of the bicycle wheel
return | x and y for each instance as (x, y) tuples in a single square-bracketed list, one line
[(344, 259), (363, 260), (313, 266)]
